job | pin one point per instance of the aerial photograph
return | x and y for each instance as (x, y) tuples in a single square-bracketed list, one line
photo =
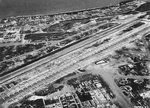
[(74, 53)]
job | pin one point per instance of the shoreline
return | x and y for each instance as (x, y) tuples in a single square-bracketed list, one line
[(65, 12), (69, 11)]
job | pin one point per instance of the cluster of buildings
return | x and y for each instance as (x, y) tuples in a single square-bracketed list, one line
[(68, 100), (10, 36), (93, 92), (90, 93)]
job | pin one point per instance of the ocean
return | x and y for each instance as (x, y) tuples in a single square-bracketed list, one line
[(32, 7)]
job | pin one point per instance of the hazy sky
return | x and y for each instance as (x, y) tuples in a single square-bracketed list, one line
[(24, 7)]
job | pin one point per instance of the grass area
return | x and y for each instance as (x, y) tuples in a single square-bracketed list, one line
[(49, 90), (47, 36), (65, 25), (144, 7), (62, 78), (13, 51)]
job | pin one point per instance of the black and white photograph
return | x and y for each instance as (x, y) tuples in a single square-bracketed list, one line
[(74, 53)]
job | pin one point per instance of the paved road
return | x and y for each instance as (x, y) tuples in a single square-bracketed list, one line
[(53, 43), (65, 51), (55, 76), (109, 77)]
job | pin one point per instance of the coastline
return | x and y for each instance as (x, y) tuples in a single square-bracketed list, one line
[(65, 12)]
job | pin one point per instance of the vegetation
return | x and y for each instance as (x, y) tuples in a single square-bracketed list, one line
[(144, 7)]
